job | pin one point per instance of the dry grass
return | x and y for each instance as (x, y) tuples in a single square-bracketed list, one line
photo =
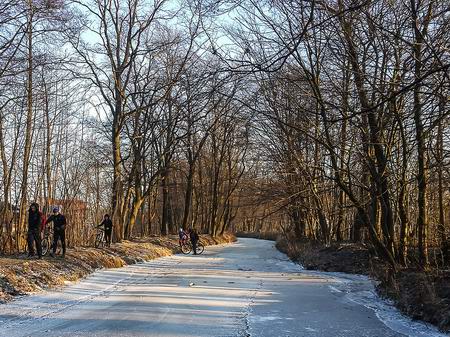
[(271, 236), (423, 295), (344, 257), (20, 276)]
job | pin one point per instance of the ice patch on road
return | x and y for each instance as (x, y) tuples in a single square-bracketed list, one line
[(393, 318), (265, 318), (360, 289), (334, 289), (262, 319)]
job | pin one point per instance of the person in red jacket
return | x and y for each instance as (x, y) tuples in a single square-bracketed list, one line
[(35, 220)]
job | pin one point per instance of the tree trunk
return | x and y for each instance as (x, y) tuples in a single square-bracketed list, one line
[(422, 220), (29, 121), (117, 188), (188, 196), (440, 159), (165, 204), (136, 207)]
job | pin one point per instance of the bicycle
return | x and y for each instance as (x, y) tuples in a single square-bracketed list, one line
[(46, 243), (186, 247), (99, 237)]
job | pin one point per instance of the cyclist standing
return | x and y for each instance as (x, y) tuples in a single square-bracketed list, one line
[(59, 230), (194, 239), (35, 219), (108, 225)]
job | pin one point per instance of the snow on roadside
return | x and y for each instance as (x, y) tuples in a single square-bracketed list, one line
[(360, 289)]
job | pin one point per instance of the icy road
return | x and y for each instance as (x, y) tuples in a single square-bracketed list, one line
[(244, 289)]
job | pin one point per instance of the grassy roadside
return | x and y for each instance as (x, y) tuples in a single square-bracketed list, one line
[(21, 276), (262, 236), (422, 295)]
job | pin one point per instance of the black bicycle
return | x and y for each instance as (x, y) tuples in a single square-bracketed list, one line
[(186, 247), (99, 237), (46, 243)]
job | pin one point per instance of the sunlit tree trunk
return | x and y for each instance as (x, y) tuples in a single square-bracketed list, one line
[(29, 119)]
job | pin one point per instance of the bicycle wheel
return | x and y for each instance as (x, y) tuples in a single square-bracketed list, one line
[(200, 248), (45, 246), (99, 240), (186, 248)]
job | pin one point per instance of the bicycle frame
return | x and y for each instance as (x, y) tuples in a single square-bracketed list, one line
[(100, 237)]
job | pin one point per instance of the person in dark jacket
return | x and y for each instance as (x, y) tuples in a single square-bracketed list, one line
[(194, 239), (59, 230), (108, 225), (34, 230)]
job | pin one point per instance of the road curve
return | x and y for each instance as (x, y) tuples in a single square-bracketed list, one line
[(245, 289)]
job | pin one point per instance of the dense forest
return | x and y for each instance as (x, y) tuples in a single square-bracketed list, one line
[(324, 120)]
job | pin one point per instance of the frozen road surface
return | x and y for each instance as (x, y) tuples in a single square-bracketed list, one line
[(245, 289)]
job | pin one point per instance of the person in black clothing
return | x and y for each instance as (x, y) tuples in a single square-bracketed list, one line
[(34, 230), (194, 239), (108, 225), (59, 230)]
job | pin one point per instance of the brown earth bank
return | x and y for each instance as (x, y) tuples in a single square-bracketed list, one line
[(422, 295), (20, 275)]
